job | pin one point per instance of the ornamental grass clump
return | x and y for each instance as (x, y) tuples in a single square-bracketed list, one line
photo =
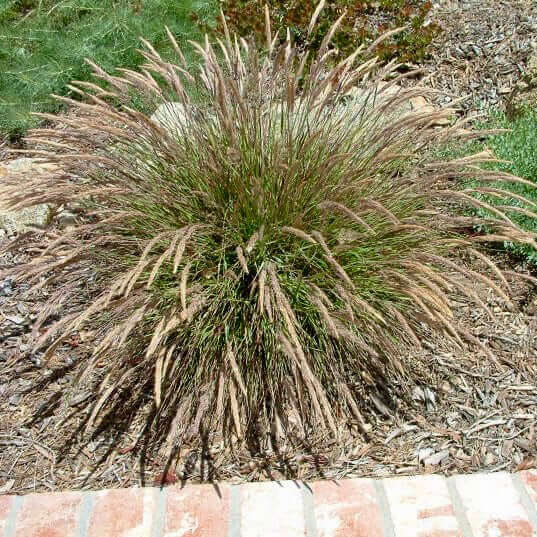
[(257, 262)]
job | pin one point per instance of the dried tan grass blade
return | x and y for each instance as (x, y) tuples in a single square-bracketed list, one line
[(345, 210), (236, 371), (184, 279), (158, 378), (299, 233), (268, 31), (315, 16), (261, 293), (492, 267), (242, 259), (235, 409), (155, 340)]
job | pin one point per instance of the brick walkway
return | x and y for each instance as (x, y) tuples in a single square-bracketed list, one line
[(480, 505)]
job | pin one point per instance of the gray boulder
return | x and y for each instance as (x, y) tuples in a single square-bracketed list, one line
[(15, 221), (171, 116)]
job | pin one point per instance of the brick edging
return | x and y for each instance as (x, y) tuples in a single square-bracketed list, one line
[(478, 505)]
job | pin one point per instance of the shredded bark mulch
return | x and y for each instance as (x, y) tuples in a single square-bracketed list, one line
[(482, 50)]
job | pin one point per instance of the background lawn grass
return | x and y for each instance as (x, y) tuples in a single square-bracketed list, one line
[(43, 44), (519, 148)]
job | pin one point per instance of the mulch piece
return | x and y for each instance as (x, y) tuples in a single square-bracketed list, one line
[(481, 52)]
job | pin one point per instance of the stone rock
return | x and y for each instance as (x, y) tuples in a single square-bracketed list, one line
[(174, 117), (22, 219), (13, 401), (6, 287), (524, 94), (352, 104), (436, 458), (374, 98), (66, 218), (25, 164), (420, 104), (15, 221), (15, 319), (367, 97), (171, 116)]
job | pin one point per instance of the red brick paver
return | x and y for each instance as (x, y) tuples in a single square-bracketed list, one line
[(421, 507), (529, 478), (347, 508), (49, 515), (197, 511), (493, 506), (5, 506), (272, 509), (480, 505), (123, 513)]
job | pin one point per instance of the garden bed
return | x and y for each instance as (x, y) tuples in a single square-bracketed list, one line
[(470, 414)]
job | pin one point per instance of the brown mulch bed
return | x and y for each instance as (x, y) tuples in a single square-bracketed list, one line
[(482, 50), (469, 414)]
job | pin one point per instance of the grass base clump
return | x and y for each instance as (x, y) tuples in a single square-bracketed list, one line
[(257, 265)]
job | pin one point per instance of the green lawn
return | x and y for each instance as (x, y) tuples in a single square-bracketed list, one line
[(519, 148), (43, 44)]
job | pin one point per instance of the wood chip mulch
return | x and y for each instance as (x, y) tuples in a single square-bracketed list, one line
[(482, 50)]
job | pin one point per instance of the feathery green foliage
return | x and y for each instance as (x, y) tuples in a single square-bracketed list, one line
[(259, 259), (43, 44)]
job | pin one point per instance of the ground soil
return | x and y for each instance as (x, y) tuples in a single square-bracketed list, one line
[(470, 413)]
